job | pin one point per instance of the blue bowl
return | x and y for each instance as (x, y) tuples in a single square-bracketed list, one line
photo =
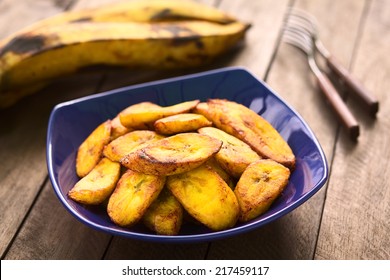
[(71, 122)]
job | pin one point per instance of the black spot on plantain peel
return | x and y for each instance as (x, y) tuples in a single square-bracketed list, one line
[(24, 44)]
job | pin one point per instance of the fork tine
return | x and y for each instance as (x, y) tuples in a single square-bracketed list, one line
[(305, 17), (301, 24), (299, 39), (303, 41), (302, 20), (294, 42), (303, 33)]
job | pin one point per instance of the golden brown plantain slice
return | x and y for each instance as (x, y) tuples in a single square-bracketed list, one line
[(128, 143), (138, 111), (203, 109), (143, 115), (97, 185), (249, 127), (213, 163), (117, 129), (132, 196), (172, 155), (165, 214), (185, 122), (235, 155), (206, 197), (90, 151), (260, 184)]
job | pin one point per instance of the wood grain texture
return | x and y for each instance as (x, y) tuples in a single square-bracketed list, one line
[(23, 141), (24, 171), (59, 237), (16, 15), (357, 210), (23, 135), (266, 18)]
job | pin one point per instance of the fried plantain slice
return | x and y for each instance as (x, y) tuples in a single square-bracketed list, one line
[(132, 196), (172, 155), (206, 197), (246, 125), (203, 109), (235, 155), (179, 123), (260, 184), (213, 163), (139, 112), (97, 185), (90, 151), (165, 214), (128, 143), (117, 129), (143, 115)]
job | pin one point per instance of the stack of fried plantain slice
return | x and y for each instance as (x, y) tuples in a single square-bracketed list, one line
[(218, 168)]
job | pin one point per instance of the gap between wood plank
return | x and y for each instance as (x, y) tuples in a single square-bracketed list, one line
[(25, 217), (107, 248), (278, 43), (39, 192), (362, 22)]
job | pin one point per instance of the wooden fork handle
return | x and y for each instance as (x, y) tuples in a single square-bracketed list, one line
[(354, 86), (338, 105)]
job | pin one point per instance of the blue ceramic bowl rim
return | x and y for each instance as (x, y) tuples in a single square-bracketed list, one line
[(182, 238)]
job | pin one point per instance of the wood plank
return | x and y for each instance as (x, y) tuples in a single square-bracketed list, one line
[(261, 42), (294, 236), (23, 170), (23, 136), (50, 232), (356, 217), (22, 13)]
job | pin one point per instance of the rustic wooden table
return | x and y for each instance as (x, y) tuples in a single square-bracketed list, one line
[(349, 218)]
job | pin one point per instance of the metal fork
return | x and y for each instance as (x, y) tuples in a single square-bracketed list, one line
[(304, 42), (304, 21)]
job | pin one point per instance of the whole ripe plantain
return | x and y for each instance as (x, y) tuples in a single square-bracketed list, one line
[(148, 34)]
